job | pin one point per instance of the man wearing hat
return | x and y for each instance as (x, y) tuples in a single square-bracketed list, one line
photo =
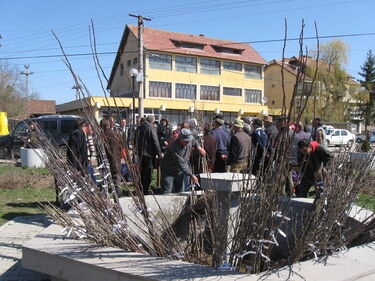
[(270, 129), (222, 140), (175, 163), (239, 148)]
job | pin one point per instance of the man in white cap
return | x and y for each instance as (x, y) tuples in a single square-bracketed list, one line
[(175, 163), (239, 148)]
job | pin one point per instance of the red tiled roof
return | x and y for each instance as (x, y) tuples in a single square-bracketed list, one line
[(309, 61), (155, 39), (287, 67)]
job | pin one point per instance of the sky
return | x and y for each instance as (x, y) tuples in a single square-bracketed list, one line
[(25, 28)]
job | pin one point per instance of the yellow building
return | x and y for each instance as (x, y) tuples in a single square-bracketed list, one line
[(185, 74), (273, 88)]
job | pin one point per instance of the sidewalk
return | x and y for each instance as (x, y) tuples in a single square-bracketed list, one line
[(13, 235)]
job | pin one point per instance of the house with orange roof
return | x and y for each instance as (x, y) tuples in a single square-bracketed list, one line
[(185, 73)]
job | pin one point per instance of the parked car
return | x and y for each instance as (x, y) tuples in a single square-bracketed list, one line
[(56, 127), (361, 138), (339, 137), (327, 127)]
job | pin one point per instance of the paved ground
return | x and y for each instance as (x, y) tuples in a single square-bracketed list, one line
[(13, 235)]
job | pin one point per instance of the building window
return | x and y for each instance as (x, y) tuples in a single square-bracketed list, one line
[(121, 69), (186, 64), (68, 126), (160, 61), (253, 71), (232, 91), (186, 91), (191, 46), (210, 93), (135, 60), (303, 88), (253, 96), (160, 89), (232, 66), (129, 63), (210, 66), (49, 126)]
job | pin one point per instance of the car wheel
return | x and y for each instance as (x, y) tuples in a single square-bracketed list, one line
[(5, 153), (359, 140)]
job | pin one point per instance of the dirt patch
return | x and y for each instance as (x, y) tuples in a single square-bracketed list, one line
[(18, 178)]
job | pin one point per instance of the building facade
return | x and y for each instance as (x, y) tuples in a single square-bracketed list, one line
[(187, 75), (321, 94)]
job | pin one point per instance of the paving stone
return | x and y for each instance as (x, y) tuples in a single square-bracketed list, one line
[(13, 235)]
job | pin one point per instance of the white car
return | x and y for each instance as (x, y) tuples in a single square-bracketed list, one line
[(339, 137)]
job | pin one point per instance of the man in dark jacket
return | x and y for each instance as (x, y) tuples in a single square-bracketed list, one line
[(77, 153), (312, 157), (164, 134), (113, 152), (270, 129), (222, 140), (175, 163), (210, 146), (147, 148), (261, 145), (239, 148)]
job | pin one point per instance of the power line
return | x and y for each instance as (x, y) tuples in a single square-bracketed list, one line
[(239, 16), (59, 56), (56, 48), (175, 48), (120, 16), (215, 8)]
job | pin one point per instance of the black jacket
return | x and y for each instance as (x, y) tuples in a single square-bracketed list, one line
[(77, 150), (311, 165), (147, 142)]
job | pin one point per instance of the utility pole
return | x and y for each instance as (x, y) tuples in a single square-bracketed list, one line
[(140, 78), (27, 72), (77, 88)]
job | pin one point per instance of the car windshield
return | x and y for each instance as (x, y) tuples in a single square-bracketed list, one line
[(328, 132)]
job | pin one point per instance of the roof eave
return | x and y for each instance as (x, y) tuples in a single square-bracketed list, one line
[(205, 55)]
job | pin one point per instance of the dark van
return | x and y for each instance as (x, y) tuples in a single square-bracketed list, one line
[(56, 127)]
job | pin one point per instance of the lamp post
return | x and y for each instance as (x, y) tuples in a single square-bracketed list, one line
[(133, 73)]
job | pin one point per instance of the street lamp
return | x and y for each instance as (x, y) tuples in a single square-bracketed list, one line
[(133, 73)]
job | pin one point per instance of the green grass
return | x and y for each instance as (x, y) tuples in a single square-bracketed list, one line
[(21, 190), (366, 201), (25, 171), (22, 202)]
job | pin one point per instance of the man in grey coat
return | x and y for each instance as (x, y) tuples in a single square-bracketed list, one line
[(176, 163)]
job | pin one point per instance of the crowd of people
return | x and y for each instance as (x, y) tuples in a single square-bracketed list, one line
[(181, 154)]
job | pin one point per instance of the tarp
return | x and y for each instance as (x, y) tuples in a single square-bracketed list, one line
[(3, 123)]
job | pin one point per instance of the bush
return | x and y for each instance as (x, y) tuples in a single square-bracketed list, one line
[(365, 147)]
